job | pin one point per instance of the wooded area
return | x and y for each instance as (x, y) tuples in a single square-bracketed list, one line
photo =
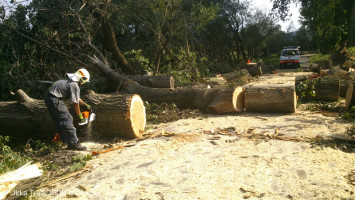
[(147, 51)]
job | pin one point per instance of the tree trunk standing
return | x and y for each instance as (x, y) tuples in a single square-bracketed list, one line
[(271, 96), (327, 89), (194, 98), (116, 115)]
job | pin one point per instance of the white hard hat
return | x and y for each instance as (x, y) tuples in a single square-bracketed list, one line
[(82, 75)]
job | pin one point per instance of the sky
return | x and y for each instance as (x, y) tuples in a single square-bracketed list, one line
[(267, 5)]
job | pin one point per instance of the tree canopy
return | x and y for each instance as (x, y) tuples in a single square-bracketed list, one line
[(44, 39)]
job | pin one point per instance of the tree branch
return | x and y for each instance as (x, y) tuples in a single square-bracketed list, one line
[(47, 46), (88, 37)]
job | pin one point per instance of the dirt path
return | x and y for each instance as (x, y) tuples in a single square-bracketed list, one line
[(211, 158)]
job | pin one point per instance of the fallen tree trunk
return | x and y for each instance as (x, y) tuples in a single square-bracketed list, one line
[(327, 89), (344, 85), (350, 96), (117, 115), (228, 100), (194, 98), (275, 95), (154, 81)]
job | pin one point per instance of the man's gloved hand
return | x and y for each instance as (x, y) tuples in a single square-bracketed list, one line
[(81, 117), (88, 106)]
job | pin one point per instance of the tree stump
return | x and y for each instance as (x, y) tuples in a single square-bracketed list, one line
[(276, 95), (254, 69), (116, 115)]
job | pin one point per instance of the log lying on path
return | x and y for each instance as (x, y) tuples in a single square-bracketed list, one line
[(153, 81), (186, 97), (116, 115), (350, 96), (327, 89), (276, 95), (228, 100)]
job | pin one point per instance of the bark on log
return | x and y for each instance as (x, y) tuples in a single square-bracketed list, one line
[(116, 115), (327, 89), (154, 81), (350, 96), (271, 96), (254, 69), (194, 98), (229, 100), (344, 85)]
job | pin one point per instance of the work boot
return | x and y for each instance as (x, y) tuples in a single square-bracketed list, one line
[(76, 146)]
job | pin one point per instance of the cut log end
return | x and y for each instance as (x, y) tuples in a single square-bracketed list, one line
[(228, 101), (138, 116), (239, 99), (349, 97)]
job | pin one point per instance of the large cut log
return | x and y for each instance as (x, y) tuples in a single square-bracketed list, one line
[(344, 85), (185, 97), (154, 81), (116, 115), (327, 89), (228, 100), (350, 96), (276, 95)]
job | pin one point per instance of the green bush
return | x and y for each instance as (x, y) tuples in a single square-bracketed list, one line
[(273, 59), (9, 159), (319, 57), (306, 90), (350, 115), (351, 51)]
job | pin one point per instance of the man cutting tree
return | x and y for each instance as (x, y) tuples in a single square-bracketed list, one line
[(67, 89)]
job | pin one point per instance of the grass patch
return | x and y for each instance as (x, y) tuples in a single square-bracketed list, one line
[(273, 59), (351, 51), (319, 57)]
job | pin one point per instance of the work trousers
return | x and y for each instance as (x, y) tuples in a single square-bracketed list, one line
[(62, 119)]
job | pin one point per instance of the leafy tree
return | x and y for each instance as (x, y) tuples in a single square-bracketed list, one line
[(332, 22)]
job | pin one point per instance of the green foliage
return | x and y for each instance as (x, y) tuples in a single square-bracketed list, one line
[(79, 161), (319, 57), (137, 59), (9, 159), (351, 51), (328, 20), (350, 114), (306, 90), (273, 59)]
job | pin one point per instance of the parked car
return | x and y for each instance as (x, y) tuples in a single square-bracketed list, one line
[(290, 57)]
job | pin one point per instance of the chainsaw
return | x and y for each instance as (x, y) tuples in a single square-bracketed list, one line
[(89, 116)]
